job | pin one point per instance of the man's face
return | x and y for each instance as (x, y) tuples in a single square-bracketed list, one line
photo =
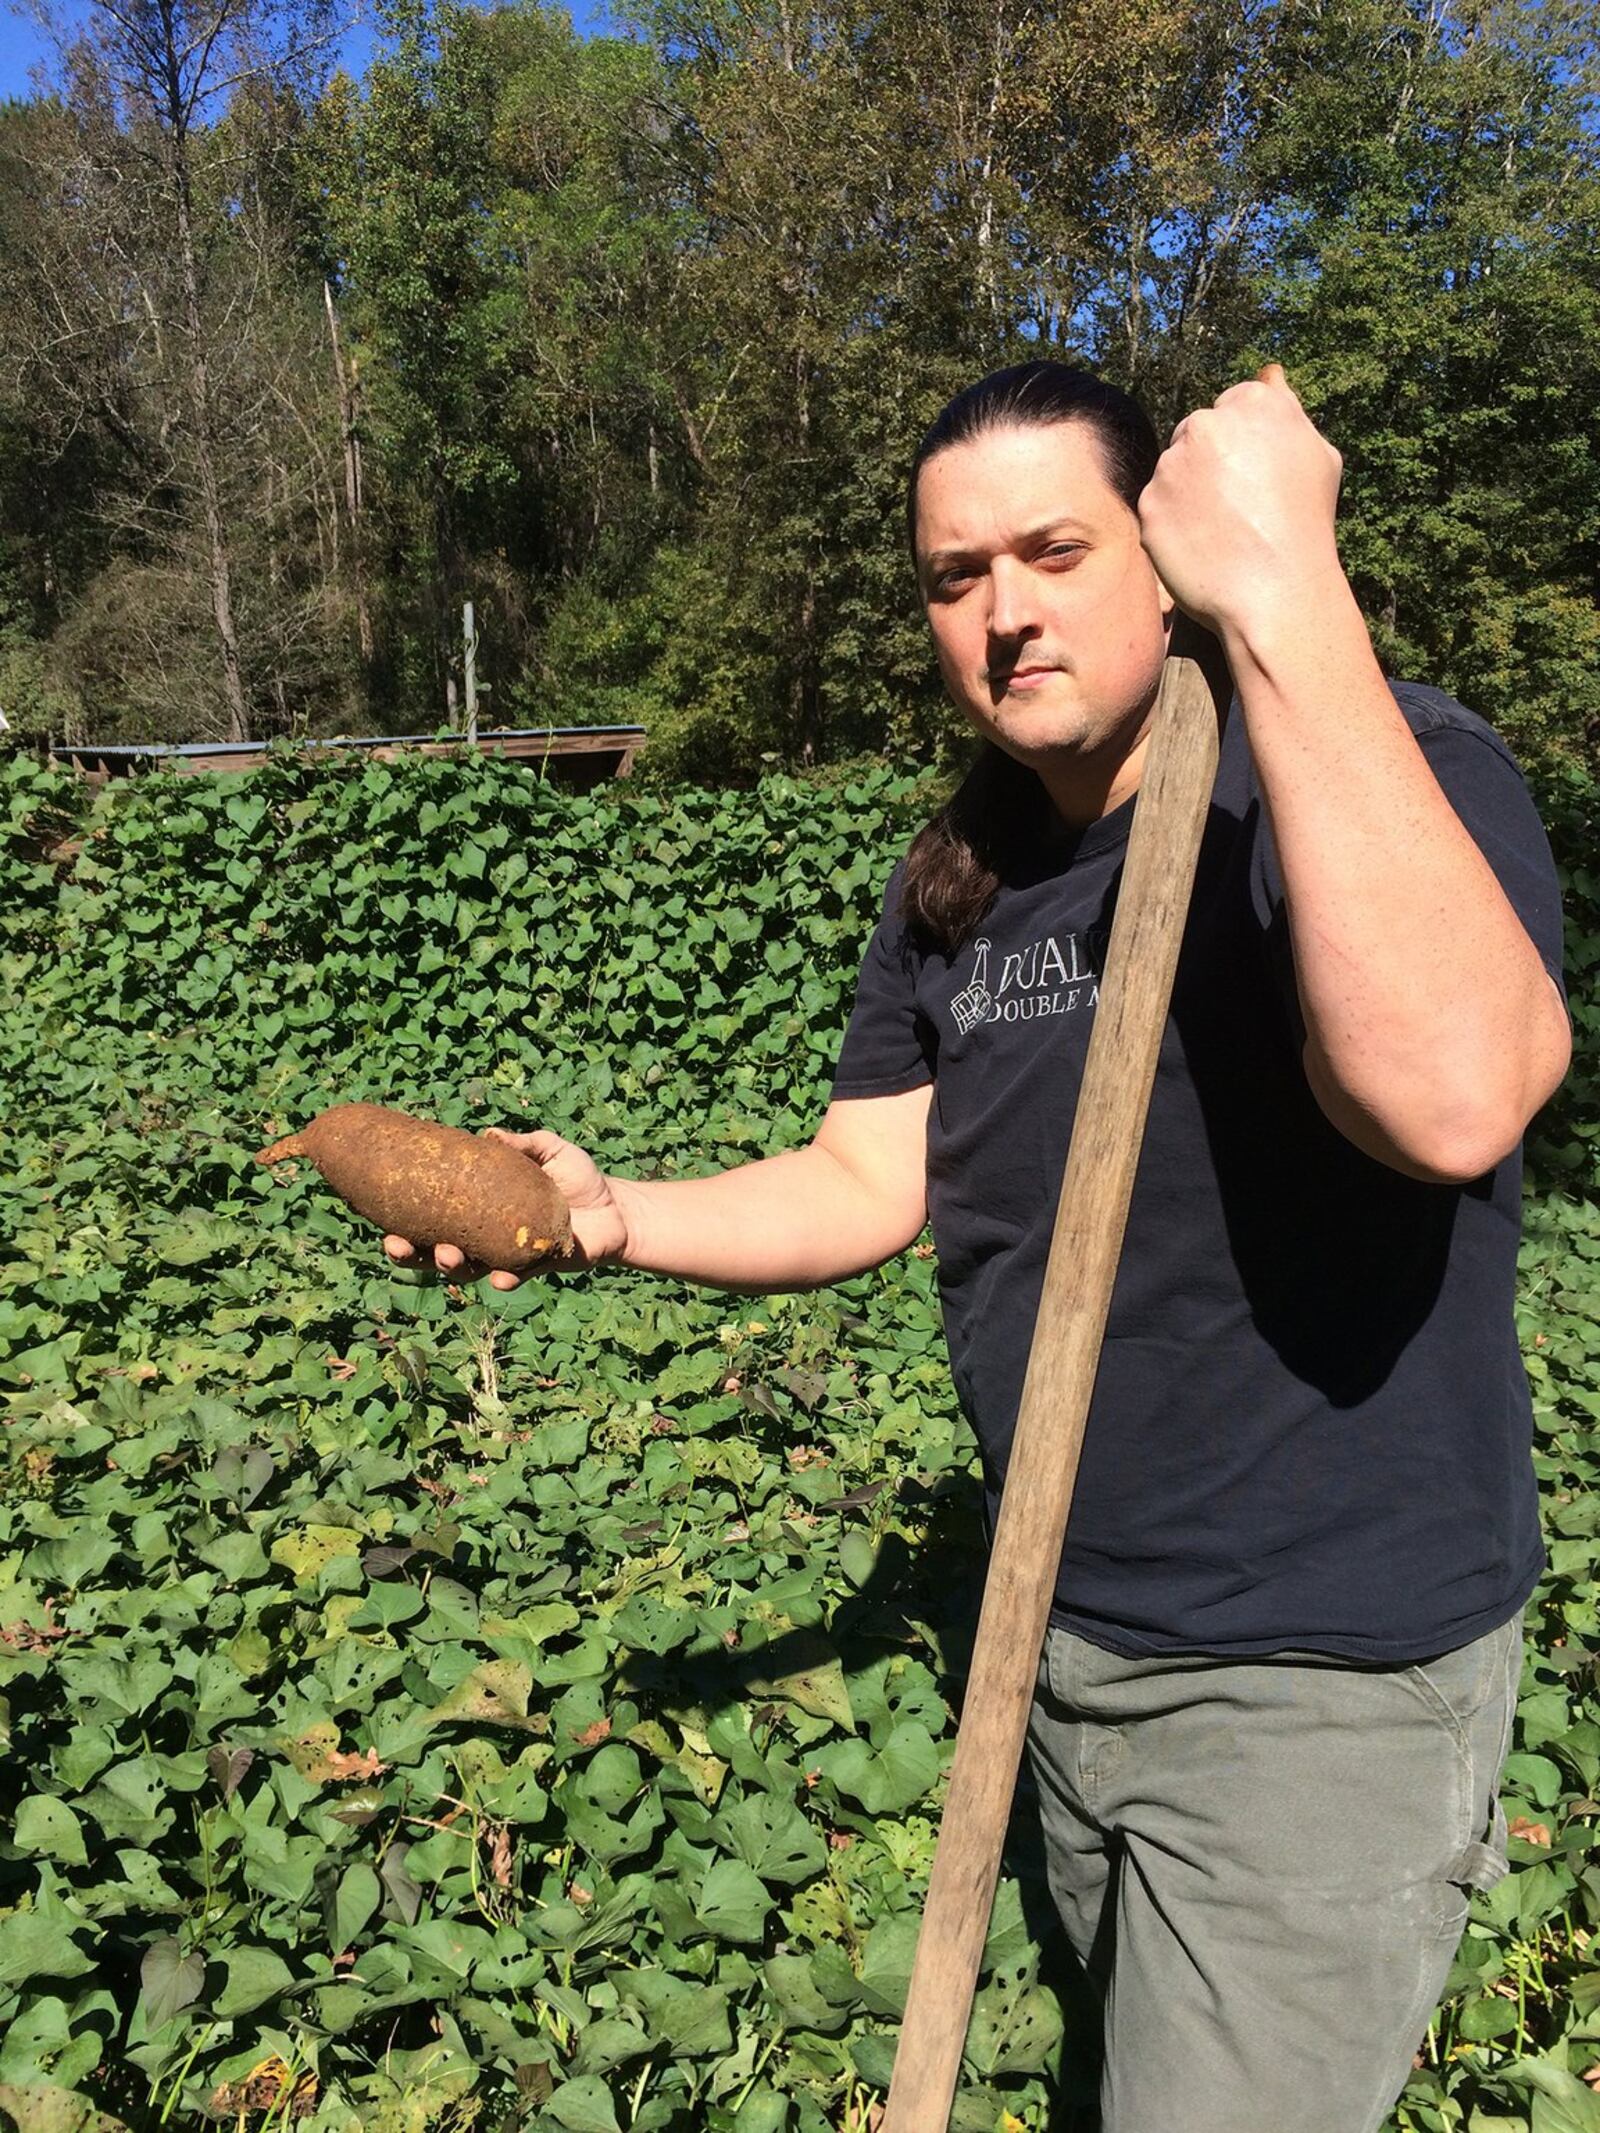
[(1046, 615)]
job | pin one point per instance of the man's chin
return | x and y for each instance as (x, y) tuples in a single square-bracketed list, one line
[(1038, 739)]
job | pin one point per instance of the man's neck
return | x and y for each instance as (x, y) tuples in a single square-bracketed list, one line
[(1082, 792)]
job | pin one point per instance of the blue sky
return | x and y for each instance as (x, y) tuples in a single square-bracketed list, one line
[(24, 47)]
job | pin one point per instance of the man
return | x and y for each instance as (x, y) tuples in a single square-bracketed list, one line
[(1278, 1684)]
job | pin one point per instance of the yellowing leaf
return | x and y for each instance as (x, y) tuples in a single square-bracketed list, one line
[(340, 1607), (54, 2110), (496, 1692), (307, 1750), (250, 1652), (316, 1754), (309, 1550), (704, 1772), (816, 1684)]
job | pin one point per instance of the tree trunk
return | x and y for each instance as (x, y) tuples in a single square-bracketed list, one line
[(348, 391), (221, 573), (278, 516), (988, 279), (805, 704), (596, 486)]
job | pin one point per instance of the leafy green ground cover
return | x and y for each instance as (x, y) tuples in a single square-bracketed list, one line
[(430, 1708)]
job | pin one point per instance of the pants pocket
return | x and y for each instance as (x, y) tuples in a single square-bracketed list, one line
[(1485, 1728), (1461, 1683)]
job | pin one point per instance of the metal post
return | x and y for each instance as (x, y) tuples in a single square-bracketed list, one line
[(469, 636)]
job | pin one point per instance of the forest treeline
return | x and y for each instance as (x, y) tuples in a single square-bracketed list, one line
[(627, 340)]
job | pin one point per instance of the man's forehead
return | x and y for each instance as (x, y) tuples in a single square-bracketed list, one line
[(1010, 485)]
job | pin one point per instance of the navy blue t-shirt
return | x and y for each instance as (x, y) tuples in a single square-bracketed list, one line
[(1311, 1426)]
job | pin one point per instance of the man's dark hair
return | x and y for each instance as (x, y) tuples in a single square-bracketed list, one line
[(954, 866)]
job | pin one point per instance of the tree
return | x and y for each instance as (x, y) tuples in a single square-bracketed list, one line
[(407, 207), (146, 264), (1435, 287), (630, 340)]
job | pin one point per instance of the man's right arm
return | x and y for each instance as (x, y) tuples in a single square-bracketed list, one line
[(852, 1198)]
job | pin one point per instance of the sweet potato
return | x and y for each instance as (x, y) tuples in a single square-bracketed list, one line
[(435, 1184)]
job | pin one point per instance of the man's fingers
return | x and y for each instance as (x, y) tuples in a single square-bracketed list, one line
[(447, 1259), (539, 1145), (450, 1260)]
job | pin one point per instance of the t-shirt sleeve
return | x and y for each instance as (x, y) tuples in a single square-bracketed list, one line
[(1480, 779), (1486, 790), (888, 1045)]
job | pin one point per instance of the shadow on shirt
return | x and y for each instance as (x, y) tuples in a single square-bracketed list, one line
[(1340, 1262)]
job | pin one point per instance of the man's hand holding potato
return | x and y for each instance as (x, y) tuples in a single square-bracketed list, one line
[(599, 1228)]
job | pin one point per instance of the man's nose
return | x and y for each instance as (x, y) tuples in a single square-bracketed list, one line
[(1013, 598)]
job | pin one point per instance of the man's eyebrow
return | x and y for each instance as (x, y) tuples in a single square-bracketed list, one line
[(1064, 524)]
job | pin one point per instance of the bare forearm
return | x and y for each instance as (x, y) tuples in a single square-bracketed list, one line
[(1433, 1031), (794, 1221)]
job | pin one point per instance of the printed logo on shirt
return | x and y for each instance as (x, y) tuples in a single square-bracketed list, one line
[(1051, 976)]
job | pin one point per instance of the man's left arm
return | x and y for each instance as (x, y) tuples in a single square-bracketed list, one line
[(1433, 1030)]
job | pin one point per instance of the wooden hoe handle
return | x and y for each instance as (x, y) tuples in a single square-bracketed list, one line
[(1135, 991)]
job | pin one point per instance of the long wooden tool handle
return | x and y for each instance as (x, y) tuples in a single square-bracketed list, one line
[(1152, 904)]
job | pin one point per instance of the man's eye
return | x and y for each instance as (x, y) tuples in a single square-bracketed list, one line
[(953, 580), (1061, 551)]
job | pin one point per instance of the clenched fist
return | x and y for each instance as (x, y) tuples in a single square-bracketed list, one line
[(1238, 516)]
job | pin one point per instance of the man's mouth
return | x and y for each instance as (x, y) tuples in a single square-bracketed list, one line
[(1030, 675)]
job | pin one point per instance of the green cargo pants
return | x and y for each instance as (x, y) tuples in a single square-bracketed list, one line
[(1264, 1866)]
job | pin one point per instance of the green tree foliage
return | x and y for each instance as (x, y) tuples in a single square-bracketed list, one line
[(629, 339), (407, 221), (161, 348), (1434, 283), (864, 244)]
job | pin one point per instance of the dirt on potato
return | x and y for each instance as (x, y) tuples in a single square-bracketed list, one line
[(435, 1184)]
